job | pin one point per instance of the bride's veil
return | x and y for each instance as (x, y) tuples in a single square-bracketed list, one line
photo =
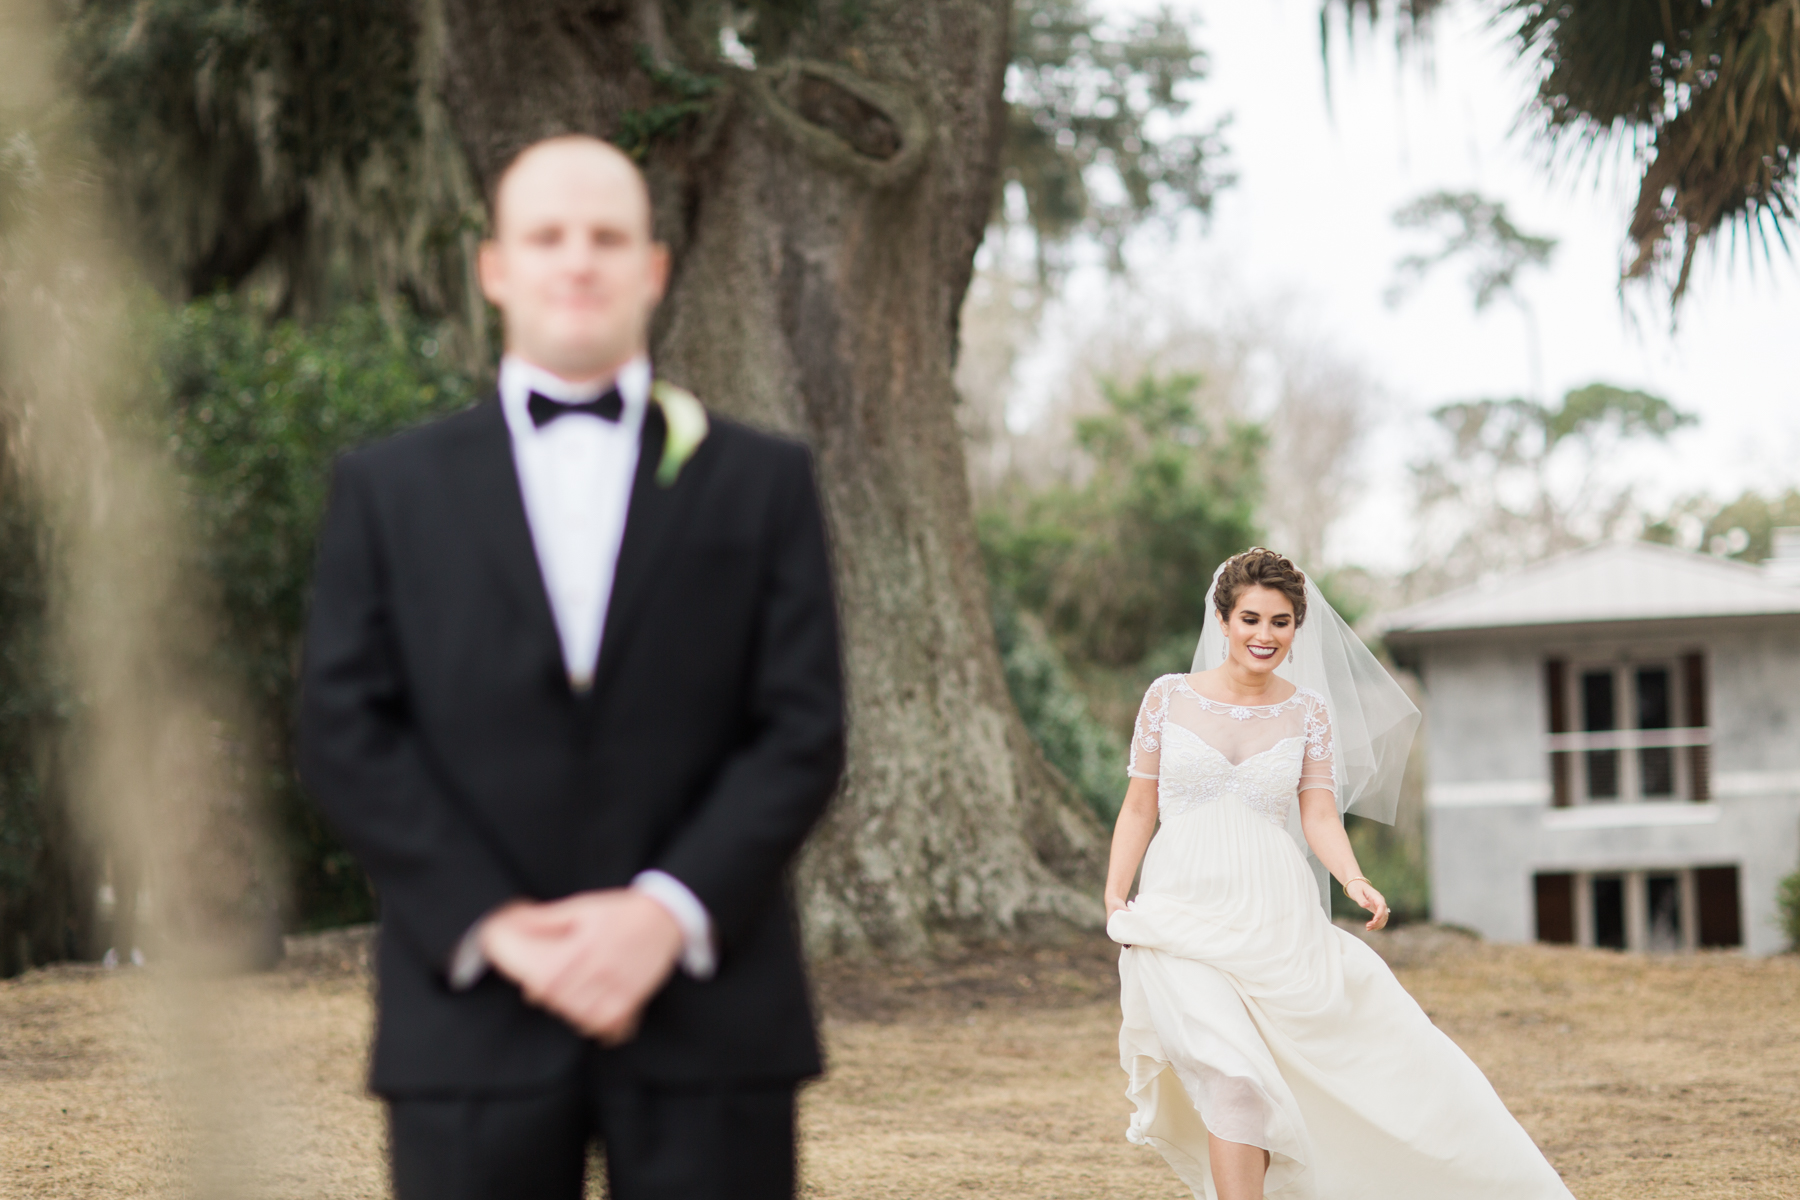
[(1372, 721)]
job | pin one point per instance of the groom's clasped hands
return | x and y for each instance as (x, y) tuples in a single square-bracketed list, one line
[(594, 958)]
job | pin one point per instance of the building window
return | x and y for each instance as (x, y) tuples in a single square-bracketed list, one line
[(1716, 893), (1599, 714), (1699, 755), (1665, 928), (1606, 911), (1655, 710), (1556, 683), (1659, 910), (1622, 732), (1555, 895)]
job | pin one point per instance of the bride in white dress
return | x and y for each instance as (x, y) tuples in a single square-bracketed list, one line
[(1270, 1053)]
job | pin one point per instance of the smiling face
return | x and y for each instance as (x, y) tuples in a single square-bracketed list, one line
[(1260, 630), (571, 265)]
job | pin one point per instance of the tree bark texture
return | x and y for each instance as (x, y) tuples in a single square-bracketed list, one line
[(824, 210)]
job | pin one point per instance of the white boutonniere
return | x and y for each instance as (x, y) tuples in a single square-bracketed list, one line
[(686, 419)]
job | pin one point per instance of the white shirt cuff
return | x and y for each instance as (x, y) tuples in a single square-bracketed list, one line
[(698, 958), (468, 964)]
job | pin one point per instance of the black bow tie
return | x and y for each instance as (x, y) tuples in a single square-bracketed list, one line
[(608, 406)]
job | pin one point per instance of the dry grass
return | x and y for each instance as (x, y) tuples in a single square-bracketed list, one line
[(993, 1076)]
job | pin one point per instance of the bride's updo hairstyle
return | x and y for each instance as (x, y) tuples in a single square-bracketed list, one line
[(1257, 567)]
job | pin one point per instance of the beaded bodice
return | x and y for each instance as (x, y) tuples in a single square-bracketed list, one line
[(1193, 773), (1201, 750)]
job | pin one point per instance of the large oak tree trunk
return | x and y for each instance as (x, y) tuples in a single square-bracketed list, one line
[(824, 211)]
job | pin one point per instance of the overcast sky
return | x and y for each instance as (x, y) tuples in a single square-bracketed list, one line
[(1308, 227)]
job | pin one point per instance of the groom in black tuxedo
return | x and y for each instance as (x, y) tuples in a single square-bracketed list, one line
[(572, 693)]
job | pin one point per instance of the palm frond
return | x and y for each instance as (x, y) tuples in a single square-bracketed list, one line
[(1707, 90), (1412, 25)]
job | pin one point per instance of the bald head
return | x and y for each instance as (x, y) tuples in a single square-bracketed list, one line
[(571, 264), (571, 160)]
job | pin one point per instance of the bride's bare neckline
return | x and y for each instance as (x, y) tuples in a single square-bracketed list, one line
[(1188, 682)]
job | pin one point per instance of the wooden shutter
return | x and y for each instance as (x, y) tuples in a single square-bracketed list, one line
[(1716, 896), (1556, 685), (1693, 679), (1555, 908)]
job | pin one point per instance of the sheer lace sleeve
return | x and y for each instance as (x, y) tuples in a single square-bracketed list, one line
[(1315, 764), (1146, 736)]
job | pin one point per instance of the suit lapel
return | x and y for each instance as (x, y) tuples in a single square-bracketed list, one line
[(496, 514), (650, 523)]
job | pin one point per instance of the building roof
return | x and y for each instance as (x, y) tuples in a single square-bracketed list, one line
[(1608, 581)]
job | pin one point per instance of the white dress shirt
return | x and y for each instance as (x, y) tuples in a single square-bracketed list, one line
[(575, 477)]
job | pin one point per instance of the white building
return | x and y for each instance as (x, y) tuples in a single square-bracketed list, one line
[(1614, 747)]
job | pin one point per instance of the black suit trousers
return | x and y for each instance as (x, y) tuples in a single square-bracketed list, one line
[(710, 1142)]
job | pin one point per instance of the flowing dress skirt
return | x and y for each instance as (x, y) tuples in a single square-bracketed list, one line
[(1247, 1013)]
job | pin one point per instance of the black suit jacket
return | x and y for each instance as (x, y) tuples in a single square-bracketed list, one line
[(440, 735)]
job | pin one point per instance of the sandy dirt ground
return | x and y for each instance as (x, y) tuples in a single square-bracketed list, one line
[(992, 1076)]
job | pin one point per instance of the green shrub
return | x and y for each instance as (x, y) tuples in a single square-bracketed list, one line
[(1116, 565), (1056, 713), (1787, 899), (40, 866), (256, 413), (1399, 874)]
